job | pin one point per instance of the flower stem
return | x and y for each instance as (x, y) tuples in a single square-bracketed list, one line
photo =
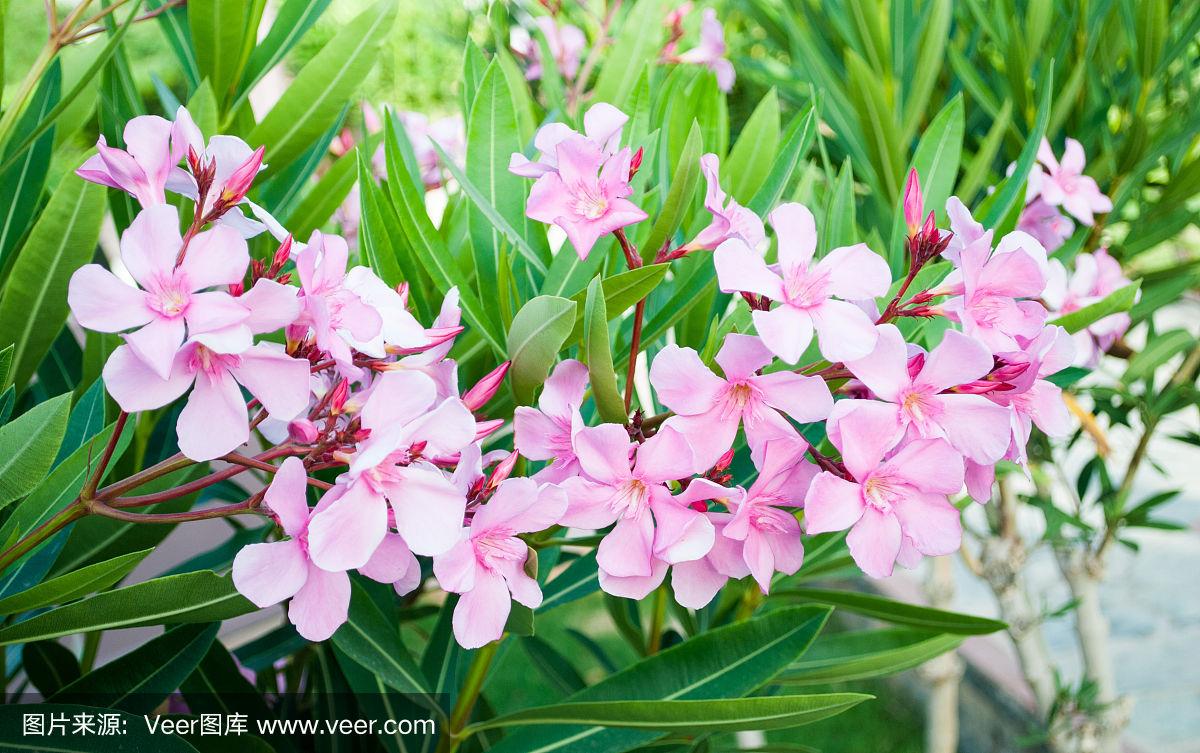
[(654, 640), (468, 694), (635, 344), (89, 489)]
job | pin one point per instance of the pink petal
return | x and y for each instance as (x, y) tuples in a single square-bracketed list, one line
[(1073, 159), (104, 303), (280, 382), (215, 310), (136, 387), (157, 343), (286, 496), (975, 426), (760, 559), (682, 534), (741, 356), (805, 398), (524, 589), (874, 542), (602, 122), (931, 465), (446, 429), (979, 480), (564, 389), (345, 534), (214, 420), (665, 457), (455, 568), (149, 246), (636, 586), (267, 574), (786, 330), (217, 256), (844, 330), (396, 398), (931, 522), (521, 506), (958, 359), (832, 504), (787, 549), (603, 452), (695, 583), (864, 430), (682, 382), (628, 549), (1048, 410), (536, 436), (856, 272), (549, 199), (739, 268), (481, 613), (885, 370), (796, 234), (579, 160), (587, 504), (429, 510), (708, 434), (272, 306), (322, 605)]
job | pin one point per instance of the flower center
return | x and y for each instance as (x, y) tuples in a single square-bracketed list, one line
[(211, 362), (802, 288), (737, 398), (768, 519), (497, 546), (170, 300), (880, 492), (590, 203), (630, 499), (917, 406)]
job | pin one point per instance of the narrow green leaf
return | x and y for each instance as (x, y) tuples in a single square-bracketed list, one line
[(717, 715), (1159, 349), (35, 299), (372, 642), (596, 345), (201, 596), (976, 171), (860, 655), (899, 612), (49, 665), (28, 447), (755, 151), (294, 19), (936, 162), (878, 124), (1010, 194), (324, 197), (580, 579), (637, 44), (1121, 299), (839, 227), (684, 180), (537, 333), (621, 292), (217, 31), (796, 142), (315, 98), (82, 582), (930, 63), (21, 184)]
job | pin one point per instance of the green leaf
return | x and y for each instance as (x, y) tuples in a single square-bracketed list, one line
[(848, 657), (1010, 194), (49, 665), (936, 162), (684, 179), (728, 662), (878, 124), (324, 197), (520, 620), (755, 151), (216, 686), (1115, 302), (21, 184), (28, 446), (930, 63), (1159, 349), (139, 681), (554, 666), (537, 333), (370, 640), (581, 578), (899, 612), (82, 582), (315, 97), (621, 292), (493, 215), (717, 715), (976, 171), (796, 143), (839, 227), (636, 45), (597, 346), (135, 732), (35, 298), (86, 421), (294, 19), (218, 29), (201, 596)]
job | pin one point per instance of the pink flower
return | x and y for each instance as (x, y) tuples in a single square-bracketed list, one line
[(170, 306), (566, 43), (585, 205), (214, 421), (407, 424), (650, 525), (987, 285), (337, 315), (889, 502), (1064, 184), (696, 582), (547, 432), (920, 399), (267, 574), (1096, 275), (1046, 224), (964, 228), (234, 165), (430, 359), (770, 536), (805, 290), (154, 147), (711, 51), (487, 565), (423, 133), (709, 409), (730, 219), (602, 125), (914, 202)]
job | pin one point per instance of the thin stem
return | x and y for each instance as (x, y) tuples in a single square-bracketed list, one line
[(468, 694), (35, 537), (89, 489), (241, 508), (635, 344), (144, 17), (657, 618)]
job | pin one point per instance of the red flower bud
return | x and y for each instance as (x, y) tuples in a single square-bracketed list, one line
[(337, 400), (282, 254), (238, 184), (635, 163), (483, 391), (502, 471), (913, 202)]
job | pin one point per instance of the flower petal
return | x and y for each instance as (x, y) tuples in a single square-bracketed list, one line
[(322, 605), (267, 574)]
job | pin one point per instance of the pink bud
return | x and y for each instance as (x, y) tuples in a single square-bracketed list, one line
[(484, 428), (915, 364), (303, 431), (282, 254), (724, 461), (635, 163), (236, 289), (436, 336), (502, 471), (913, 202), (486, 388), (239, 182), (337, 401)]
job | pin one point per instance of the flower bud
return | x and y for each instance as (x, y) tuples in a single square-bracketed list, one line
[(502, 471), (635, 163), (483, 391), (282, 254), (236, 289), (238, 184), (913, 202), (484, 428), (337, 400), (303, 431)]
